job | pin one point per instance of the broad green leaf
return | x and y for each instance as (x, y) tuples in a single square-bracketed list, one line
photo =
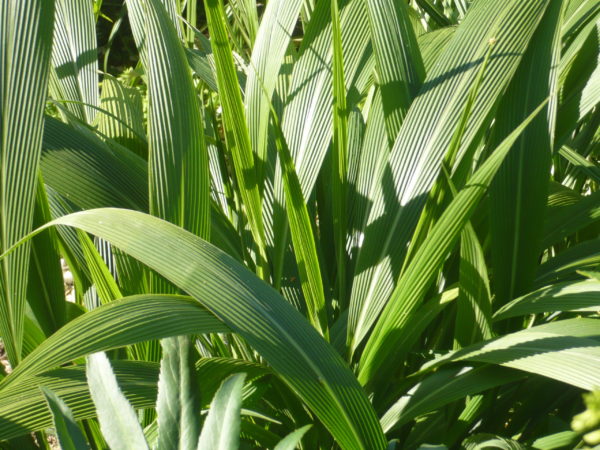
[(570, 296), (74, 74), (177, 406), (178, 171), (202, 66), (24, 409), (311, 368), (106, 176), (118, 421), (110, 176), (432, 44), (291, 441), (400, 67), (428, 259), (104, 282), (562, 439), (586, 167), (424, 138), (211, 371), (117, 324), (474, 304), (25, 48), (221, 430), (519, 191), (579, 257), (566, 350), (484, 441), (69, 434), (46, 287)]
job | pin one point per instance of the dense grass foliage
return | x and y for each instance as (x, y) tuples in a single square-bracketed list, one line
[(350, 224)]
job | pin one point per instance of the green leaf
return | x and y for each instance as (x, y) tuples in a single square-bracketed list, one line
[(432, 44), (424, 138), (178, 171), (311, 368), (25, 48), (236, 130), (75, 59), (339, 156), (117, 324), (305, 250), (121, 118), (292, 440), (518, 193), (307, 119), (487, 440), (177, 406), (118, 421), (400, 67), (566, 350), (221, 430), (415, 281), (69, 434), (571, 219), (570, 296), (441, 388), (272, 41), (106, 176), (474, 305), (24, 410)]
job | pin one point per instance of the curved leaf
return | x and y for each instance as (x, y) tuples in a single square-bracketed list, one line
[(312, 368)]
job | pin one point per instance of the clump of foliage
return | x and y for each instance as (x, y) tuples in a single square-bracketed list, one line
[(299, 223)]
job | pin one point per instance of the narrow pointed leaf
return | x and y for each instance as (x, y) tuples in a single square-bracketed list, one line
[(177, 407), (69, 434), (221, 430), (25, 48), (118, 421)]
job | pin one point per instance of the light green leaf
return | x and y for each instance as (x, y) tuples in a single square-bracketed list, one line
[(117, 324), (518, 193), (177, 406), (75, 59), (400, 67), (291, 441), (24, 409), (236, 131), (221, 430), (118, 421)]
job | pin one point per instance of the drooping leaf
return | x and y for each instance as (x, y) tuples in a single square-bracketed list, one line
[(312, 368)]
